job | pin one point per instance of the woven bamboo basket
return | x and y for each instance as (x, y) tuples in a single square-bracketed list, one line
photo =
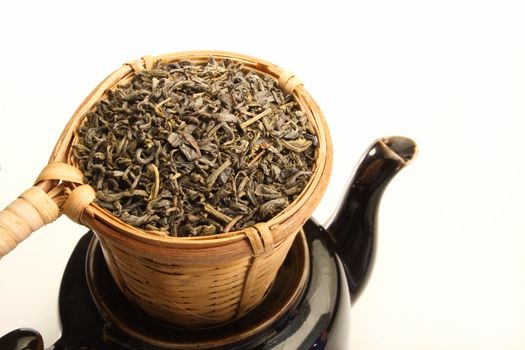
[(188, 281)]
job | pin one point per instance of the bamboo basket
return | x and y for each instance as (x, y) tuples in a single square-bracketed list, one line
[(188, 281)]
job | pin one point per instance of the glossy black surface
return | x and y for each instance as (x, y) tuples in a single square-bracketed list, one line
[(22, 339), (82, 325), (353, 229)]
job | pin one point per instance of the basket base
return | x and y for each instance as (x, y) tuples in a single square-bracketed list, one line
[(125, 318)]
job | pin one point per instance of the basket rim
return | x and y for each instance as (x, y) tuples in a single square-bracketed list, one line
[(320, 174)]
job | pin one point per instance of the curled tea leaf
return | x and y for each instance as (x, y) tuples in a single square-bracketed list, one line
[(298, 145), (272, 207), (107, 196)]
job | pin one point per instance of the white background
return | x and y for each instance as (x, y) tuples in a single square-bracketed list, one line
[(450, 271)]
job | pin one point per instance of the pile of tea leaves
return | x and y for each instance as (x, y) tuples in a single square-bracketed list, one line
[(196, 149)]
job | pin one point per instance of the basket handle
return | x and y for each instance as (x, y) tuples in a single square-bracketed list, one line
[(44, 203), (32, 210)]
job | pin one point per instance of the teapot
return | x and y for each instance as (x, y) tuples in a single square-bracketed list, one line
[(328, 261)]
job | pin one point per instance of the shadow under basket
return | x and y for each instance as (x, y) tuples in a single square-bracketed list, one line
[(185, 281)]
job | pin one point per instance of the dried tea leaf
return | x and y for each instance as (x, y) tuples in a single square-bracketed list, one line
[(298, 145), (273, 207)]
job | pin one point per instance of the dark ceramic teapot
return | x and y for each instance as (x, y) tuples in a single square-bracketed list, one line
[(299, 312)]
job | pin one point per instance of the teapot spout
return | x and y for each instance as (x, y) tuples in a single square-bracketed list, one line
[(353, 227)]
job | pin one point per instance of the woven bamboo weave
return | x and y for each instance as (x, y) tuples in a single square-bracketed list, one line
[(189, 281)]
